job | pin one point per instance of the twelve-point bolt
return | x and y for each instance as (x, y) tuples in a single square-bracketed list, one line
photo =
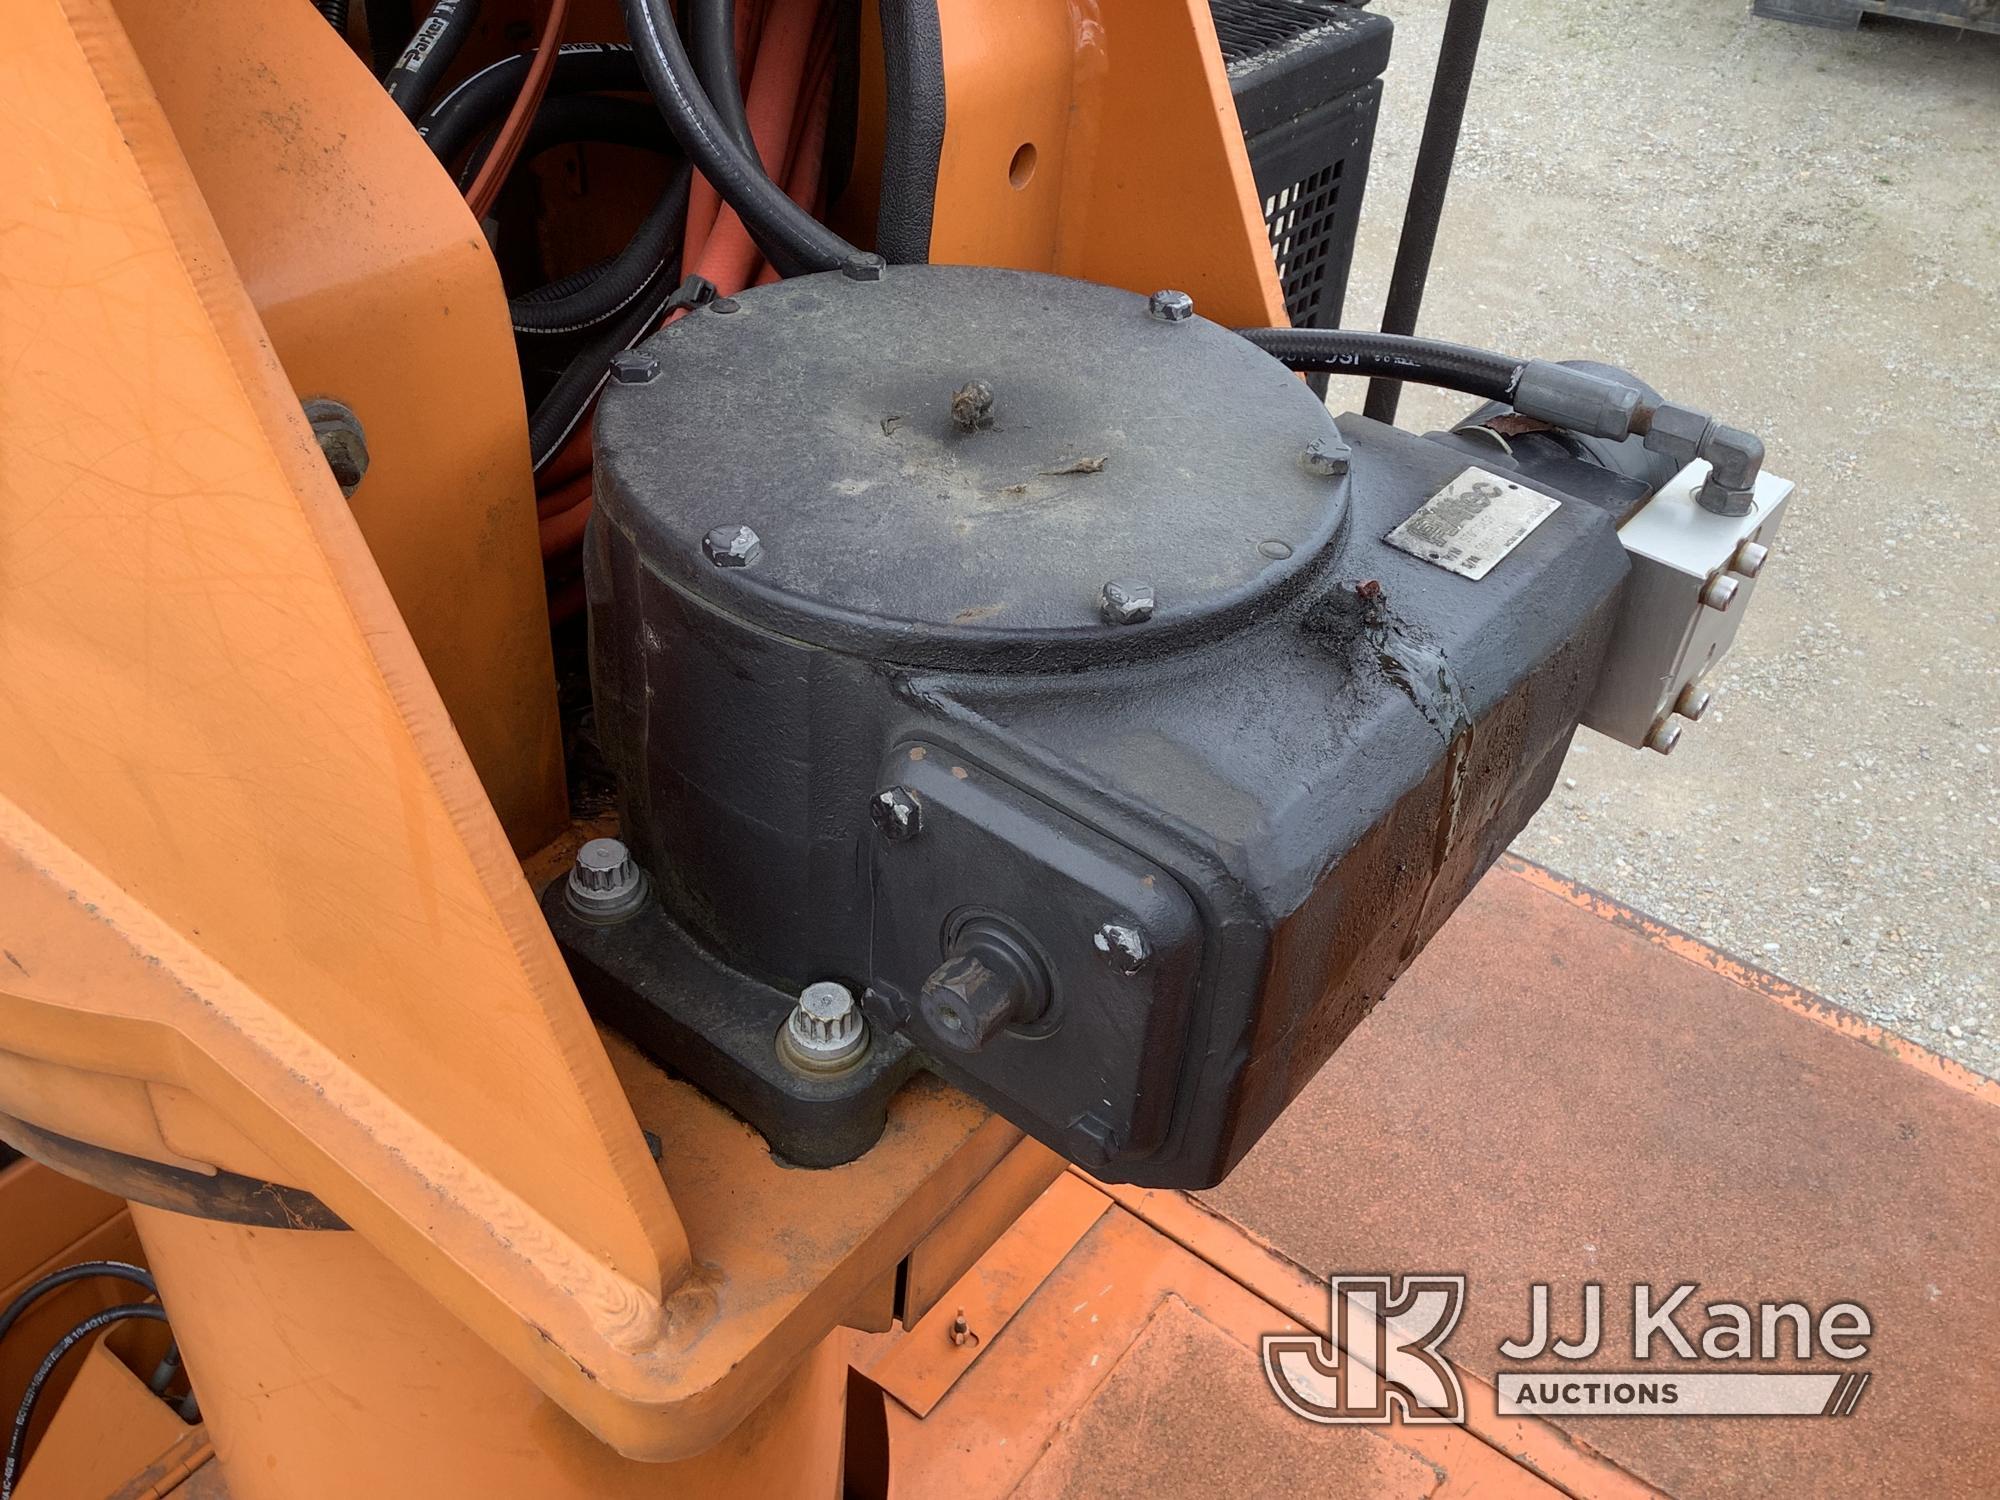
[(1326, 458), (826, 1032), (1170, 306), (631, 367), (1126, 601), (732, 546), (1123, 945), (604, 883), (897, 814)]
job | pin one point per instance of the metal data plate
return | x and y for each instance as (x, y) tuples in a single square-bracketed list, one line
[(1472, 523)]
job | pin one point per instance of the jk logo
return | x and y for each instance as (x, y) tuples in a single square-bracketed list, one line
[(1384, 1357)]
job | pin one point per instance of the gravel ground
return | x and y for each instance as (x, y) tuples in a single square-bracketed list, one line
[(1799, 230)]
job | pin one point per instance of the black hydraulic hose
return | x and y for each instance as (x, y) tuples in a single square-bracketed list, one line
[(335, 12), (712, 48), (792, 238), (1392, 357), (84, 1270), (582, 119), (619, 282), (844, 105), (566, 286), (1458, 54), (456, 120), (424, 61), (390, 25), (26, 1413)]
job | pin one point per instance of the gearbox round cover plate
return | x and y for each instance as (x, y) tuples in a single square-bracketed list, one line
[(952, 462)]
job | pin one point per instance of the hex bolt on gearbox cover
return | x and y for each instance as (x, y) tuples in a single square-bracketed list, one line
[(911, 726)]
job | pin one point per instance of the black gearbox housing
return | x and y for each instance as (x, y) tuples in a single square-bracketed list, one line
[(898, 740)]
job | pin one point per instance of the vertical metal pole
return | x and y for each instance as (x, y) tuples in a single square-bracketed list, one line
[(1458, 54)]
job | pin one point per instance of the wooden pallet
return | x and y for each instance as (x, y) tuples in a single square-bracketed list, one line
[(1845, 15)]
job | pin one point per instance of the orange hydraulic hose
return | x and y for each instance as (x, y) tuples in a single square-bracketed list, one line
[(729, 256), (514, 129), (564, 530), (554, 501), (807, 154)]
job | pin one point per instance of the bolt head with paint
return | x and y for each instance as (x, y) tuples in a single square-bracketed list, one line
[(1126, 601), (896, 813), (1170, 306), (732, 547), (1124, 946), (1326, 458)]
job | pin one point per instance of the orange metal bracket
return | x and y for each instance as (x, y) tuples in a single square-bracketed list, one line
[(1100, 140), (258, 913), (376, 287)]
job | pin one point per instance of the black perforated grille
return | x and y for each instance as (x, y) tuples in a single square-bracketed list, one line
[(1305, 75), (1249, 28), (1305, 224)]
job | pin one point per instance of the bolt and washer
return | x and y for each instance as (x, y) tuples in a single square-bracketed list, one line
[(897, 814), (1170, 306), (826, 1032), (631, 367), (1326, 458), (604, 883), (1124, 946), (338, 432), (732, 546), (1126, 601)]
